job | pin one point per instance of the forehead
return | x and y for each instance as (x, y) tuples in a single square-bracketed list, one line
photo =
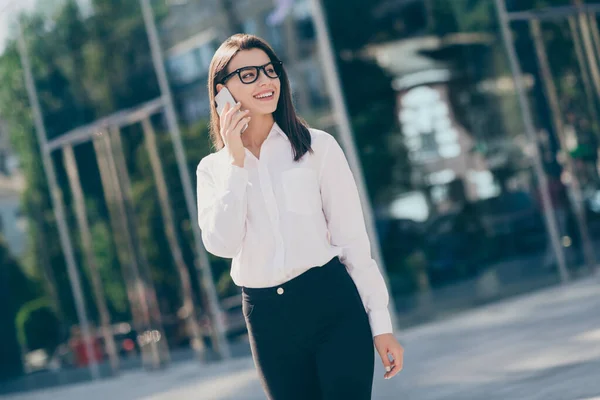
[(245, 58)]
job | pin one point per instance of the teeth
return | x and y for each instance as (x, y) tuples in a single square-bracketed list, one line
[(262, 96)]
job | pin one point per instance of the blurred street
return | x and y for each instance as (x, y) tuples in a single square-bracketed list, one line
[(544, 345)]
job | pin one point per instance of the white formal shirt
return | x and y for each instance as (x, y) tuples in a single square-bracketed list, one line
[(278, 218)]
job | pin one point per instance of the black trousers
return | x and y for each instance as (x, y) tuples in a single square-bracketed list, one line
[(310, 337)]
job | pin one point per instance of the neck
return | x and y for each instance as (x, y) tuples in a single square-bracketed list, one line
[(258, 130)]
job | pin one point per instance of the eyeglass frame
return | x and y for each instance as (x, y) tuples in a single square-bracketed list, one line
[(258, 67)]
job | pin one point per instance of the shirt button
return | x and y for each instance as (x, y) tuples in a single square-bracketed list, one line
[(279, 290)]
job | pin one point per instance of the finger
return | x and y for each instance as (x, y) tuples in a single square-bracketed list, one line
[(386, 361), (226, 115), (223, 113), (226, 108), (240, 125), (400, 359), (232, 117), (232, 111), (397, 363), (237, 118), (395, 370)]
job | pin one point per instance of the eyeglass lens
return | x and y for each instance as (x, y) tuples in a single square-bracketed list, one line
[(250, 74)]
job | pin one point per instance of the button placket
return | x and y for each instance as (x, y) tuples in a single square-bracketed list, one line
[(272, 208)]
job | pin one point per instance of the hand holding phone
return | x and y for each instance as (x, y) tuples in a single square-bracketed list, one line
[(225, 97), (233, 122)]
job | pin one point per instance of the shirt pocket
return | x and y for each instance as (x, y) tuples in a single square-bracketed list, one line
[(301, 191)]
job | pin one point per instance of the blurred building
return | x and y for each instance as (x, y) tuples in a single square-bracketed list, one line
[(12, 184), (192, 30), (439, 146), (472, 213)]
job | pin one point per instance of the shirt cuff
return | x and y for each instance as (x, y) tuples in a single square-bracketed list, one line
[(236, 180), (380, 322)]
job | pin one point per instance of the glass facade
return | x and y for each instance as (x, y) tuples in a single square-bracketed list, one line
[(470, 224)]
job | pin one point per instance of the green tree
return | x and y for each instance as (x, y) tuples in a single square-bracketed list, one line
[(87, 67), (16, 289)]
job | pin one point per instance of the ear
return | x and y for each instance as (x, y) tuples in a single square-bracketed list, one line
[(219, 87)]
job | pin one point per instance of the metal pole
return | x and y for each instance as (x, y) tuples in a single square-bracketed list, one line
[(595, 33), (345, 130), (58, 206), (429, 13), (553, 12), (139, 253), (47, 272), (88, 250), (583, 67), (294, 59), (150, 354), (549, 218), (551, 93), (120, 234), (588, 47), (596, 38), (171, 232), (219, 340)]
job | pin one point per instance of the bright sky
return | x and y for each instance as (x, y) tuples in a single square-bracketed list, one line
[(9, 10)]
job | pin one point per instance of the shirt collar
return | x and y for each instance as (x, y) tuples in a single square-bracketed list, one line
[(278, 130)]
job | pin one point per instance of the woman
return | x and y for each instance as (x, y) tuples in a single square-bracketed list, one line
[(281, 201)]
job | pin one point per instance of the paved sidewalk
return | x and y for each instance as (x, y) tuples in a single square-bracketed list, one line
[(544, 346)]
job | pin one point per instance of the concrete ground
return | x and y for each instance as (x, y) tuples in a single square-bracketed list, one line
[(545, 345)]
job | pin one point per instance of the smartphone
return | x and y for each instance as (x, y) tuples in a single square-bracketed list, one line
[(224, 97)]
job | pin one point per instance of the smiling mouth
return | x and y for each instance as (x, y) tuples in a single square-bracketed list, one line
[(264, 96)]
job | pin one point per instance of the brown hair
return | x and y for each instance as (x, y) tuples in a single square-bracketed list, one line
[(285, 116)]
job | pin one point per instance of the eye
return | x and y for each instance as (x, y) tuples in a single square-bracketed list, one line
[(248, 74)]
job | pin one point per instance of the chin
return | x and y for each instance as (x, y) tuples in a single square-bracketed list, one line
[(265, 110), (262, 108)]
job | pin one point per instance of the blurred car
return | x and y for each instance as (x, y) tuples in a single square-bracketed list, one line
[(399, 238), (514, 223), (455, 246), (65, 355), (125, 337), (232, 319)]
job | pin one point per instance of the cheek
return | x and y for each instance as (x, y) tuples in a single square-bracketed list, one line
[(247, 99), (278, 86), (278, 89), (241, 93)]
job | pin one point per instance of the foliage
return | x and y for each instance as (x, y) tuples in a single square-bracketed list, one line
[(87, 67), (15, 290)]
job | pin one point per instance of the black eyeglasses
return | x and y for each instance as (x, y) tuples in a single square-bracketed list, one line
[(250, 74)]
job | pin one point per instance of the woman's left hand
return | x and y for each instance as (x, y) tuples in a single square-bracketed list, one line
[(387, 344)]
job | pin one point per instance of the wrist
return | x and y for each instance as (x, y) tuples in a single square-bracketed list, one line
[(381, 335), (235, 158), (238, 162)]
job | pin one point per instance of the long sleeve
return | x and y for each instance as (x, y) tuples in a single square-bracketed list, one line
[(345, 221), (222, 205)]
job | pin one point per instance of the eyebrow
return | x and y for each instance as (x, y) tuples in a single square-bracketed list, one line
[(249, 66)]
